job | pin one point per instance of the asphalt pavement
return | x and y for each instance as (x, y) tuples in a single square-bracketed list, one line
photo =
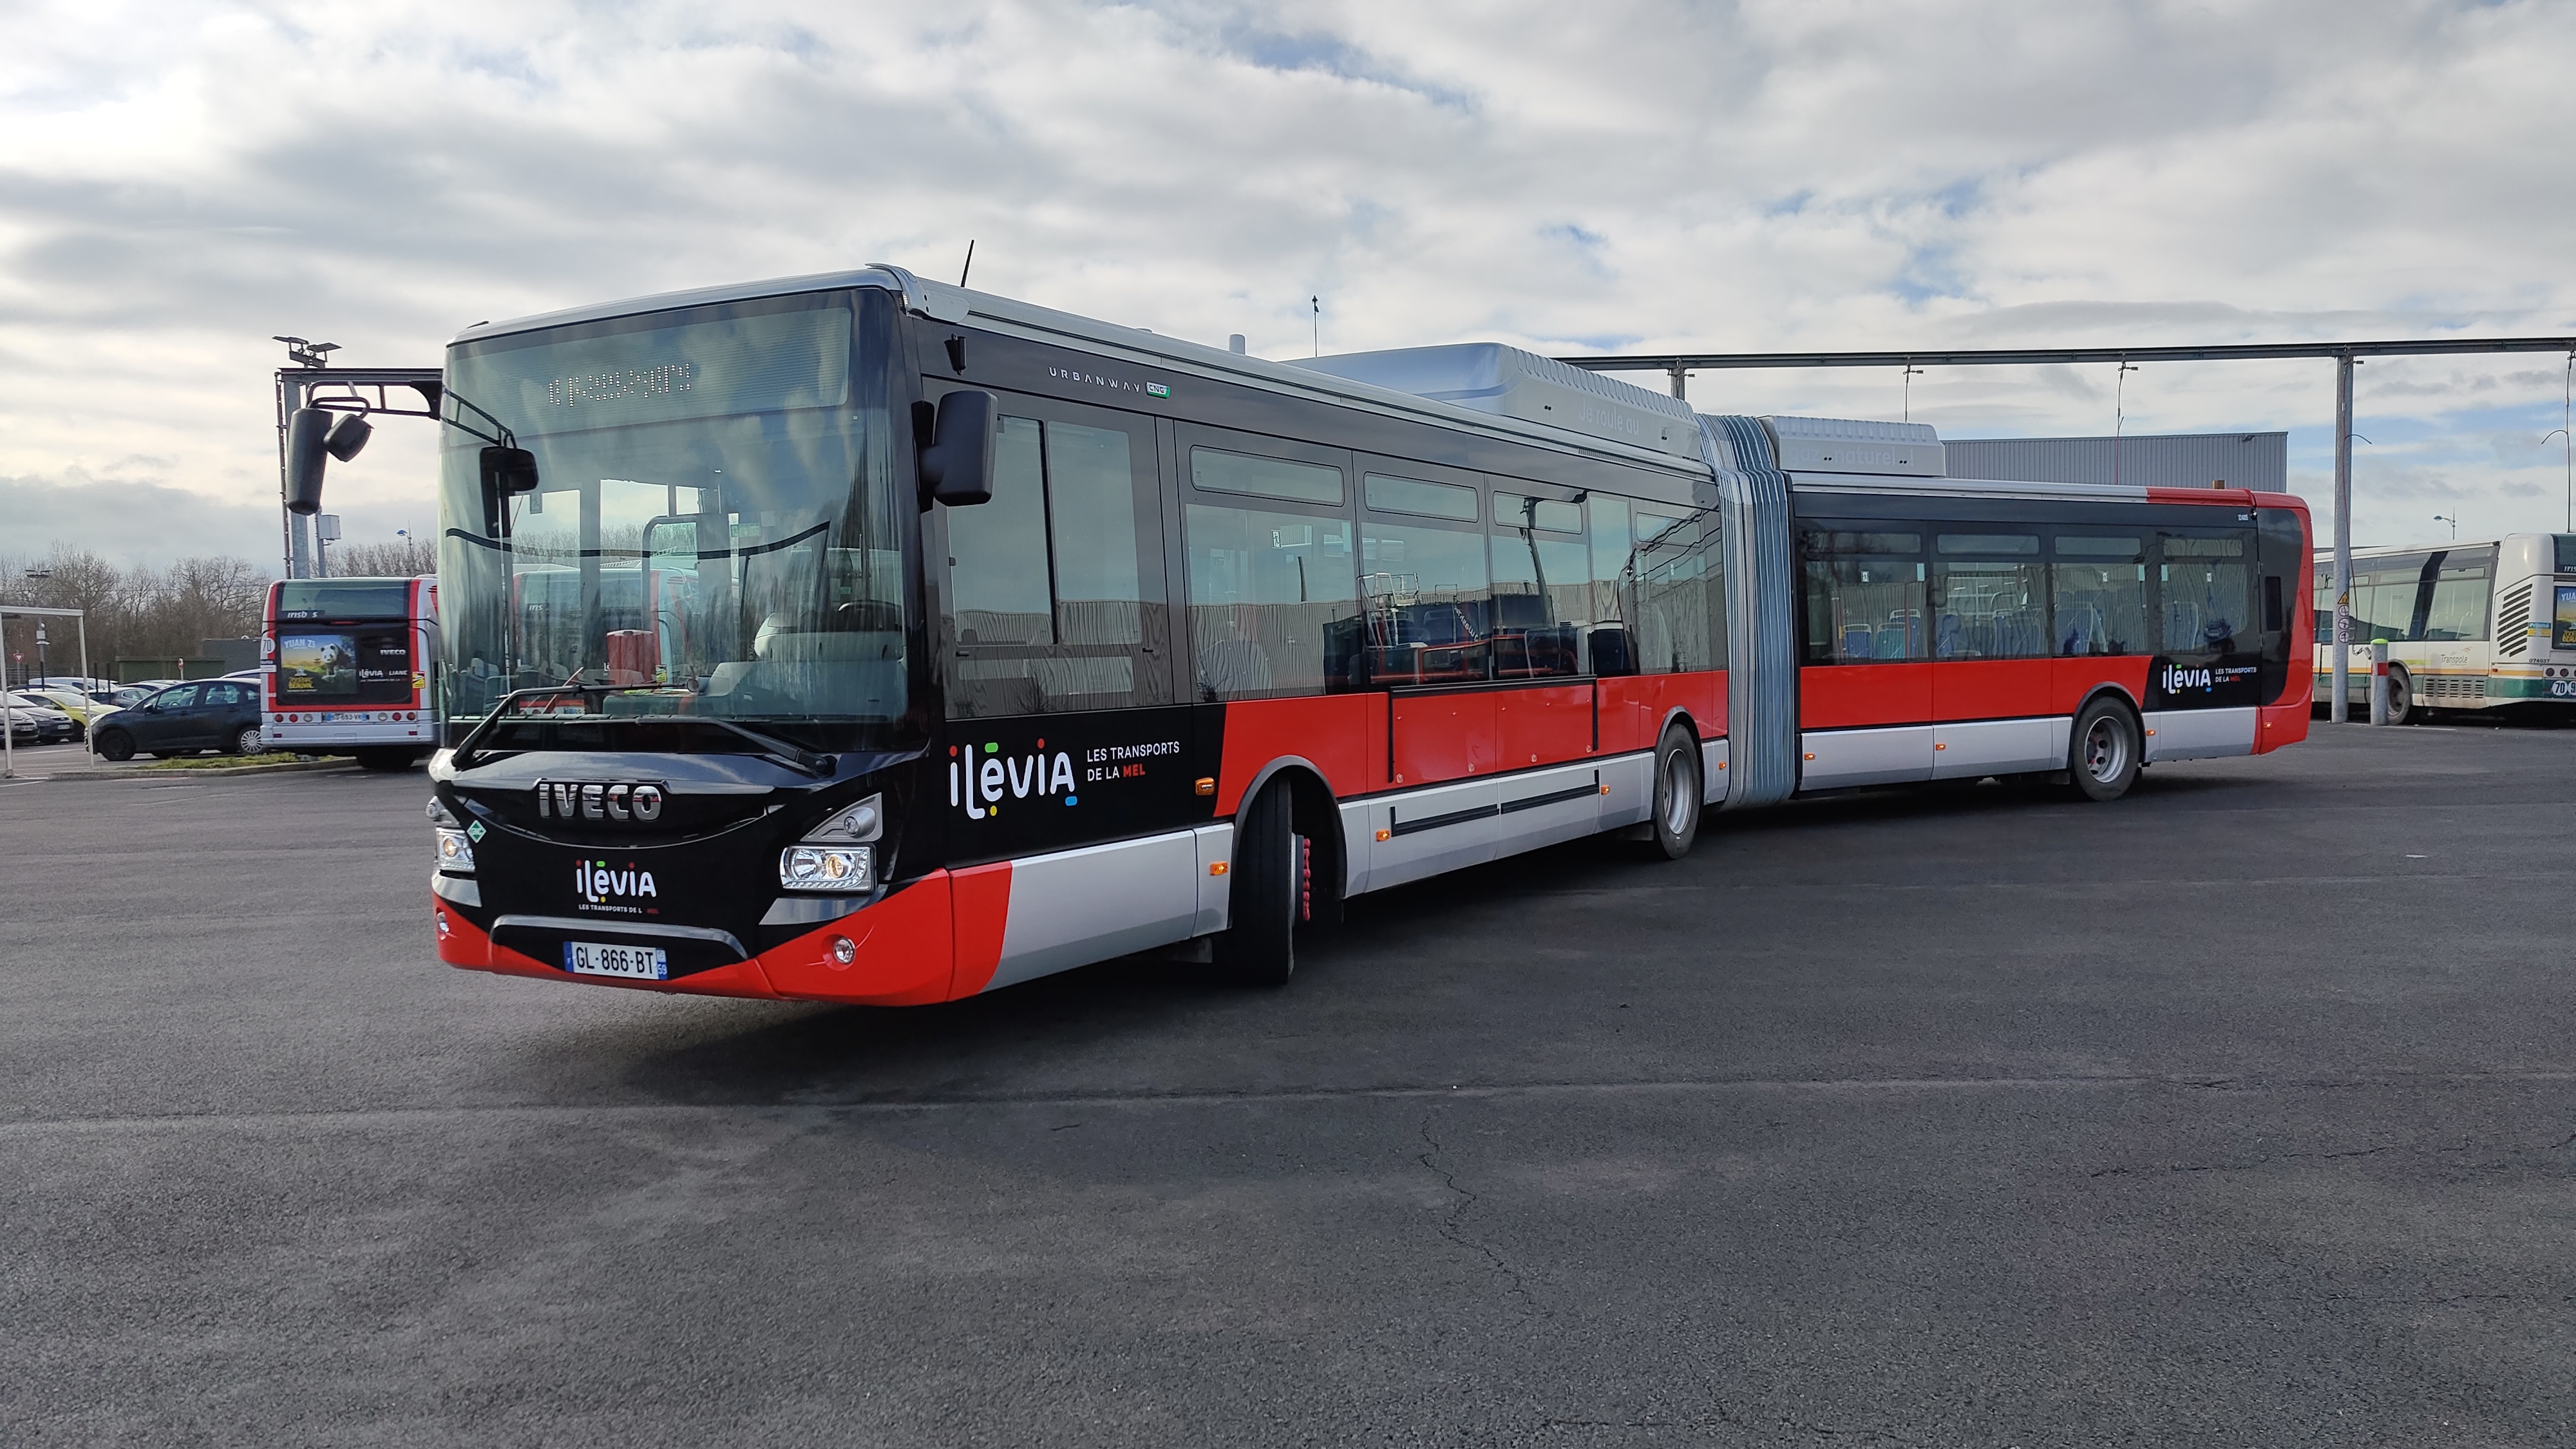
[(2242, 1111)]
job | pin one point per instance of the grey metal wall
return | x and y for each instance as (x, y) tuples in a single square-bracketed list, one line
[(2165, 460)]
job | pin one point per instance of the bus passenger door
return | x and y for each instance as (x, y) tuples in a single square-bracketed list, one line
[(1066, 774)]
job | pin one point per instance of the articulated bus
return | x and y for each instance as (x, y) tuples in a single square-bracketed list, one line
[(858, 638), (2482, 625), (349, 663)]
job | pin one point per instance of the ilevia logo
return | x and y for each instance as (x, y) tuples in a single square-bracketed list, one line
[(605, 889), (2174, 680), (977, 784)]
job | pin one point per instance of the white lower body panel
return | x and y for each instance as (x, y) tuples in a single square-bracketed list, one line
[(1712, 772), (1832, 759), (1079, 906), (1984, 747), (2200, 734)]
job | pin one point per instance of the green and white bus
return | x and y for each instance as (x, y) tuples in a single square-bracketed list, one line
[(2479, 625)]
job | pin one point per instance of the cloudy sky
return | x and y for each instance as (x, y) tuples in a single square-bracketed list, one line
[(182, 180)]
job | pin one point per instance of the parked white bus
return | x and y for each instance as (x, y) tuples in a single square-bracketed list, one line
[(2478, 625)]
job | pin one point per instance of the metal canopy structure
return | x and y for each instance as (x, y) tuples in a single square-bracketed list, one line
[(300, 387), (1678, 366)]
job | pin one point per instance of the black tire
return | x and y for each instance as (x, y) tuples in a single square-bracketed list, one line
[(116, 746), (2401, 697), (1270, 893), (388, 760), (248, 742), (2103, 757), (1675, 799)]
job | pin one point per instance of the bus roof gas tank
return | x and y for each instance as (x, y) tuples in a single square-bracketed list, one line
[(1508, 382), (1851, 445)]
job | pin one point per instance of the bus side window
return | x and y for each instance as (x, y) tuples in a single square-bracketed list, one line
[(2205, 591), (1864, 593), (1679, 622), (2461, 594), (1613, 642), (1430, 607), (1273, 591), (1989, 596), (2098, 594), (1542, 586), (1053, 585)]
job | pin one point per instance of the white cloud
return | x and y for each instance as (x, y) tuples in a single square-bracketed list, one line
[(183, 182)]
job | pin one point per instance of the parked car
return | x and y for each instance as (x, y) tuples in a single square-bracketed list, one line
[(129, 695), (38, 726), (47, 703), (212, 714)]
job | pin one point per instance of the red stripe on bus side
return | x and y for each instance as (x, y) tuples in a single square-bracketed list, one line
[(1344, 734), (1859, 696)]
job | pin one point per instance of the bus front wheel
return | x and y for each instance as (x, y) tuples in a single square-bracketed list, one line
[(1270, 891), (1677, 794), (2102, 760)]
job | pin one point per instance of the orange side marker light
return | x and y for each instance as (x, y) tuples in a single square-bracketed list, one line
[(1217, 869), (1386, 835), (1206, 785)]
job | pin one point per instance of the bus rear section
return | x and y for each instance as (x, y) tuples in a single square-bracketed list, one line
[(1953, 629), (348, 671)]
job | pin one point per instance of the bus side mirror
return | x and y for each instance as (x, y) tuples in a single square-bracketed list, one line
[(307, 434), (506, 471), (957, 465)]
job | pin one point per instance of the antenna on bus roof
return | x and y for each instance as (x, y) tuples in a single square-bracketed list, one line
[(970, 262), (1317, 303)]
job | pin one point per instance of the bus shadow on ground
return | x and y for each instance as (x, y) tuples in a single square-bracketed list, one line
[(1088, 1025)]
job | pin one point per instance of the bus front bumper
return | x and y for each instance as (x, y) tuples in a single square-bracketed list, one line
[(900, 950)]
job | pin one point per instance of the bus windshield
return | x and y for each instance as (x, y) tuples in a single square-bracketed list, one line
[(714, 528)]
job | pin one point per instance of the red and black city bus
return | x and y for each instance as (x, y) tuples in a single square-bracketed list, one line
[(859, 638), (348, 665)]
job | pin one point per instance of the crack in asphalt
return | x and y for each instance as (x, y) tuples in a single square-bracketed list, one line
[(1450, 1221)]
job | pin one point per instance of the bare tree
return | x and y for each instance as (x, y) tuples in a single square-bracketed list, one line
[(401, 558)]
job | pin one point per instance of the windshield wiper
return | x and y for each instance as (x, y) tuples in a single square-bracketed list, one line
[(772, 747)]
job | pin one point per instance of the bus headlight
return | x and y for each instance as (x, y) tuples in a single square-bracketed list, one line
[(826, 867), (455, 852)]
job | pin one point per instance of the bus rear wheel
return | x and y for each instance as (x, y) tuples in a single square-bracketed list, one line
[(2102, 759), (1677, 794), (1271, 889)]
